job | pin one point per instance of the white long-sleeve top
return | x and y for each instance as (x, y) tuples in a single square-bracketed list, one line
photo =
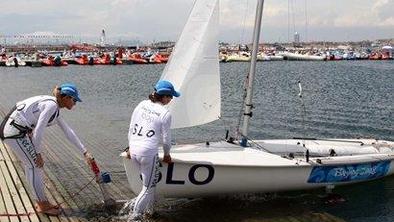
[(150, 124), (39, 112)]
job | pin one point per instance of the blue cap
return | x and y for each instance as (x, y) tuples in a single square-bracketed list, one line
[(164, 87), (70, 89)]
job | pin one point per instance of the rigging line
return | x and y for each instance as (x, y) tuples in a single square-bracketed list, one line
[(303, 112), (225, 125), (257, 146), (72, 195), (243, 23), (240, 116), (306, 21), (293, 13), (288, 21)]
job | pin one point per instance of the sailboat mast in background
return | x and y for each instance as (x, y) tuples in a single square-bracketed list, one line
[(249, 90)]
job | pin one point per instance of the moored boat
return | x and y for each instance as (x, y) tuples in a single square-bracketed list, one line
[(246, 165), (226, 168), (302, 57), (136, 58), (51, 61)]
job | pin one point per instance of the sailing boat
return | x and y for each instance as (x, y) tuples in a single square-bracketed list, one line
[(228, 167)]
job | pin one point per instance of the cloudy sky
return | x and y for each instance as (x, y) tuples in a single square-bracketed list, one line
[(156, 20)]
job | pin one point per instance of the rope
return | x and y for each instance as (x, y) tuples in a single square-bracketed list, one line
[(257, 146), (17, 215), (73, 195), (241, 39), (240, 116)]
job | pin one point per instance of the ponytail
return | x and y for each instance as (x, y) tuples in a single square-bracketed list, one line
[(154, 97), (56, 93)]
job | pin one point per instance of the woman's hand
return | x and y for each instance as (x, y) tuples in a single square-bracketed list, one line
[(39, 161), (88, 158), (167, 158)]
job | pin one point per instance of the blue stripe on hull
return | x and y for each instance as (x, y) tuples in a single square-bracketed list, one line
[(349, 172)]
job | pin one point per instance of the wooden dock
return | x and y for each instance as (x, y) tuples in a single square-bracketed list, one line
[(68, 180), (15, 204)]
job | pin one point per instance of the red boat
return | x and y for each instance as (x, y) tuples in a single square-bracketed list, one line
[(163, 58), (50, 61), (84, 60), (106, 60), (137, 58)]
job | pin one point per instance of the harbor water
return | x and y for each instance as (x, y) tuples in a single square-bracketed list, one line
[(344, 99)]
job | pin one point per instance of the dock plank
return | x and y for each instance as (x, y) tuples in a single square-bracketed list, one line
[(20, 171), (9, 205), (21, 190), (40, 216), (70, 209), (19, 185), (19, 207), (2, 206)]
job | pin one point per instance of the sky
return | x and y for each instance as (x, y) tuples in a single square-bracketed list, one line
[(162, 20)]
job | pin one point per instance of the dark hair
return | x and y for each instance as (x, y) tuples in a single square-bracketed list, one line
[(154, 97)]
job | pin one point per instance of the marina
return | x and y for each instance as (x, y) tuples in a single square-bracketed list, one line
[(332, 111), (260, 129), (122, 55)]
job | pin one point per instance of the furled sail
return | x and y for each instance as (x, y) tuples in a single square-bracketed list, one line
[(193, 68)]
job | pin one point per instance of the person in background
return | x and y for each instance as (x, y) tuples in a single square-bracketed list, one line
[(150, 124), (22, 131)]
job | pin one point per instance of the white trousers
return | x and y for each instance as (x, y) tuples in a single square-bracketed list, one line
[(26, 152), (149, 168)]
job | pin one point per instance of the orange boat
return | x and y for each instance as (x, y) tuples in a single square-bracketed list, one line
[(50, 61), (163, 58), (84, 60), (106, 60), (155, 58), (375, 56), (136, 58)]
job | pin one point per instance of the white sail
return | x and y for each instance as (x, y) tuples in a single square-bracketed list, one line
[(193, 68)]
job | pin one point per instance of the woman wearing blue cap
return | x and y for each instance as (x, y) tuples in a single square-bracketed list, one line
[(23, 129), (150, 124)]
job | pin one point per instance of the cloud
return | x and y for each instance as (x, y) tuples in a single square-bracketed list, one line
[(383, 10), (163, 20)]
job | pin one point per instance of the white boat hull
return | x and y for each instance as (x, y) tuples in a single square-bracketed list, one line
[(11, 62), (301, 57), (224, 168)]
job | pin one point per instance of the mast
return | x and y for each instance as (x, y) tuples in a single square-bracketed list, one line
[(249, 90)]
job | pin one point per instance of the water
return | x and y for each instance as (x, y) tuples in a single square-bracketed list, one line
[(344, 99)]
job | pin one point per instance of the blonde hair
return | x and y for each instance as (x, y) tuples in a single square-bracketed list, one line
[(56, 93)]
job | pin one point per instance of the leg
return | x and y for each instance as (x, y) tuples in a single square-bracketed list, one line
[(25, 151), (149, 171)]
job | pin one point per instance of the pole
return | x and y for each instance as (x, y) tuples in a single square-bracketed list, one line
[(249, 90)]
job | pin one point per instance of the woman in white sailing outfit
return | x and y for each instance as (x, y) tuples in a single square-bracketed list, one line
[(150, 124), (22, 130)]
